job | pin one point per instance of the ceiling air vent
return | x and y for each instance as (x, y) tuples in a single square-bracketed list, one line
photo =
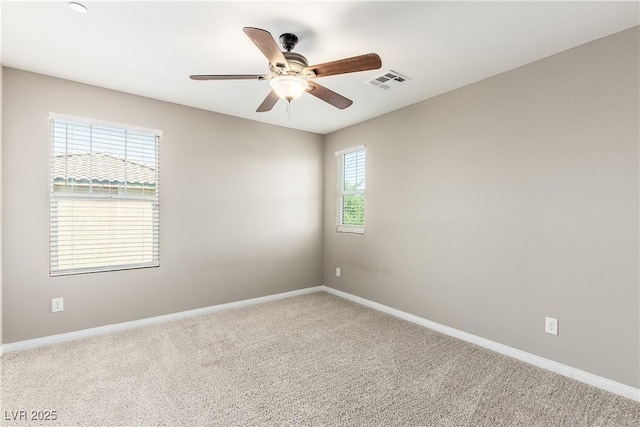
[(388, 80)]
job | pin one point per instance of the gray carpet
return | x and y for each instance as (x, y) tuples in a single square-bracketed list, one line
[(310, 360)]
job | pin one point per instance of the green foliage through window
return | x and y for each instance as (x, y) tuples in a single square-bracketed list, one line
[(353, 210), (351, 189)]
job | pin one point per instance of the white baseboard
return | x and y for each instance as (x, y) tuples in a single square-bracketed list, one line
[(101, 330), (559, 368)]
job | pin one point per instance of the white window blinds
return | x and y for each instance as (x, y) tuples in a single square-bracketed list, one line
[(351, 190), (104, 188)]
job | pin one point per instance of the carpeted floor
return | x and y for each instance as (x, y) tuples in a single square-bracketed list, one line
[(310, 360)]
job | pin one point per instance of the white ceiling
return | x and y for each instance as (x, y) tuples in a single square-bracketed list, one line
[(150, 48)]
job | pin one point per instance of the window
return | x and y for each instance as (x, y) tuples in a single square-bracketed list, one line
[(351, 185), (103, 196)]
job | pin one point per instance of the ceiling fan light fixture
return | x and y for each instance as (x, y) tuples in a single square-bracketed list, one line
[(289, 87)]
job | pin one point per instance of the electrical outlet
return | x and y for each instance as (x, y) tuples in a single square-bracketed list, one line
[(57, 304), (551, 325), (337, 271)]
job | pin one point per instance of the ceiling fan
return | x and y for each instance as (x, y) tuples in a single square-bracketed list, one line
[(291, 74)]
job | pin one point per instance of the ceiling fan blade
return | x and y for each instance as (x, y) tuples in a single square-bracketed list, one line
[(268, 102), (329, 96), (228, 77), (370, 61), (267, 46)]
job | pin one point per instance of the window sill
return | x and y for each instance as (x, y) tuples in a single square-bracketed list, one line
[(349, 230)]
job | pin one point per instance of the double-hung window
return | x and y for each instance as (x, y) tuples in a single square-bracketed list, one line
[(351, 187), (104, 188)]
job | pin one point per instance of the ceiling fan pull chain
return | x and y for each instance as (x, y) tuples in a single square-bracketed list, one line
[(289, 109)]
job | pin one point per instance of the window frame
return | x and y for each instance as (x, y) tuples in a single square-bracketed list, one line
[(341, 192), (55, 198)]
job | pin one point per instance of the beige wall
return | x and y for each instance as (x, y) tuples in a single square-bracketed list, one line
[(240, 216), (515, 198)]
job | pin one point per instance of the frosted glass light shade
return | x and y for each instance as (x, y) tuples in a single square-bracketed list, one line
[(289, 87)]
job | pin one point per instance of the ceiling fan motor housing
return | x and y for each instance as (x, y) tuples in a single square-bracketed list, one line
[(297, 63)]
